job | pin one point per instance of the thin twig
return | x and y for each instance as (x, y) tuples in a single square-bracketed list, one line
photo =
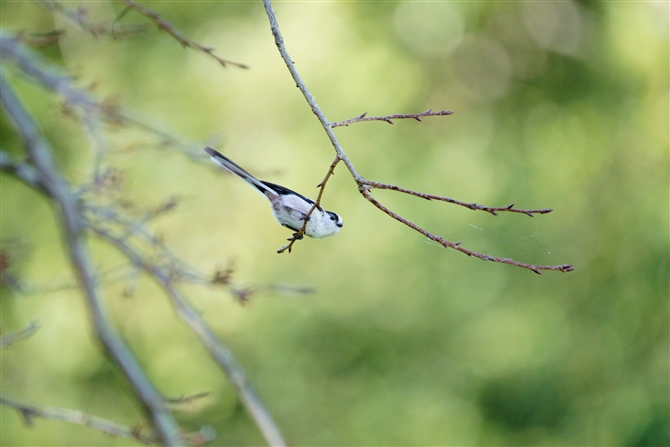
[(179, 270), (42, 40), (181, 38), (365, 185), (473, 206), (161, 256), (221, 354), (73, 226), (28, 412), (131, 227), (317, 204), (389, 118), (187, 399), (13, 337), (457, 245)]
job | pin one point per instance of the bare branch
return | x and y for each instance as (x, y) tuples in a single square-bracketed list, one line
[(216, 348), (473, 206), (73, 225), (26, 332), (131, 227), (181, 38), (179, 271), (22, 170), (365, 185), (79, 214), (187, 399), (28, 412), (317, 204), (41, 40), (389, 118), (457, 245)]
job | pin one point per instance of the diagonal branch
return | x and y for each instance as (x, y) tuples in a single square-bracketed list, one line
[(216, 348), (73, 225), (365, 185), (22, 170), (457, 245), (28, 412), (30, 63), (9, 339), (301, 232), (473, 206), (181, 38)]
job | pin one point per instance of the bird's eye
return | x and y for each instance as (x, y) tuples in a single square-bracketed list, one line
[(332, 217)]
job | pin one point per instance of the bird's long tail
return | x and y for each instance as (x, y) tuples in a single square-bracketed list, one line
[(234, 168)]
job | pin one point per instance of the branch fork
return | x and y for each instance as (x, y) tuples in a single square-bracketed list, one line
[(365, 186)]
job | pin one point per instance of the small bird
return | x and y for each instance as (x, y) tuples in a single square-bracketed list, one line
[(289, 208)]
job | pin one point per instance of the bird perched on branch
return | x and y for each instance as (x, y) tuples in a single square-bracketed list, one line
[(289, 208)]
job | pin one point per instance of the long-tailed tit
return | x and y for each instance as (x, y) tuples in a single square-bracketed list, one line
[(288, 207)]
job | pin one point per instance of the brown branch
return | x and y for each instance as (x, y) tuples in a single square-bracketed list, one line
[(221, 354), (13, 337), (73, 226), (473, 206), (457, 245), (365, 185), (180, 37), (317, 204), (389, 118)]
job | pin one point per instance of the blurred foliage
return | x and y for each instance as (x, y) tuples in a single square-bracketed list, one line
[(557, 104)]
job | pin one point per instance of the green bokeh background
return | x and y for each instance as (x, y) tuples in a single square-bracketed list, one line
[(557, 104)]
